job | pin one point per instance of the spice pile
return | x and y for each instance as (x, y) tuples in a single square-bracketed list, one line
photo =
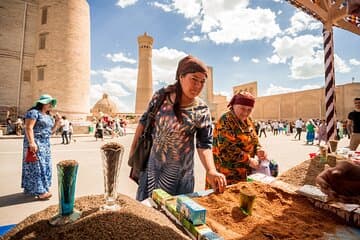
[(304, 173), (275, 214), (133, 221)]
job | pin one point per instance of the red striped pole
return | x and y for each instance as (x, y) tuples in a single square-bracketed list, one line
[(329, 82)]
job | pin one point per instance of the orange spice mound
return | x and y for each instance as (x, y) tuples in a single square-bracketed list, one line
[(275, 214)]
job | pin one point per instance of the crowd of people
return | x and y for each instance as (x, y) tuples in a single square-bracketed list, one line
[(315, 129), (105, 125)]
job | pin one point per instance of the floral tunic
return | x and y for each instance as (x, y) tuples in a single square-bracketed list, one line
[(234, 142), (36, 176), (171, 162)]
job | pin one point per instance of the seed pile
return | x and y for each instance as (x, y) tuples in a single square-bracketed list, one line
[(133, 221)]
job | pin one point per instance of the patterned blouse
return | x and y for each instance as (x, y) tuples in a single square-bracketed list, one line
[(235, 141), (171, 161)]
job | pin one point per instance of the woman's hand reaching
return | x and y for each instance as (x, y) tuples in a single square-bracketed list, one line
[(217, 180)]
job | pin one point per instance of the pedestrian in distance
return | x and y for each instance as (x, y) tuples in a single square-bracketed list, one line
[(182, 118), (353, 126), (65, 130), (39, 125), (71, 131), (298, 126)]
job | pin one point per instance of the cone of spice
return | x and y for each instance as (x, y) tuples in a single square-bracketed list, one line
[(111, 154), (67, 173)]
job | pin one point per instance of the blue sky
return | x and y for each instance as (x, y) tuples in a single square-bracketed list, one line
[(268, 41)]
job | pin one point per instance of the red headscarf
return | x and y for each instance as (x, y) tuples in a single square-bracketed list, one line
[(242, 98)]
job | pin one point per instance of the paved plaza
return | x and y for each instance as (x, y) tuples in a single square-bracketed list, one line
[(15, 206)]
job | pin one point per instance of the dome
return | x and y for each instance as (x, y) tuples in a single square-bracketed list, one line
[(105, 106)]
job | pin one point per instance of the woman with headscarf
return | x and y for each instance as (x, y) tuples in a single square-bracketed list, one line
[(39, 125), (235, 142), (182, 117)]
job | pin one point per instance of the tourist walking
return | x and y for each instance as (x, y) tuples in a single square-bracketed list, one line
[(298, 126), (71, 131), (182, 118), (64, 130), (99, 130), (39, 125), (262, 129), (322, 136), (354, 125)]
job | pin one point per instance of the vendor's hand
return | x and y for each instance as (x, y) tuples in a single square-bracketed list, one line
[(217, 180), (33, 147), (344, 179), (261, 154), (253, 163)]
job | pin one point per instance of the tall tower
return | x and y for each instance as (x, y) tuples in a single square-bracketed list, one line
[(144, 78), (45, 48), (62, 58)]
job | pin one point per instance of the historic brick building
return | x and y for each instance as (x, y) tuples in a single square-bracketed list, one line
[(45, 48), (305, 104)]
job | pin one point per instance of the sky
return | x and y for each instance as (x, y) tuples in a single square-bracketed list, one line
[(268, 41)]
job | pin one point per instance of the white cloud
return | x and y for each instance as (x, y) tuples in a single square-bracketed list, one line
[(236, 58), (354, 62), (125, 3), (164, 7), (255, 60), (120, 82), (124, 76), (93, 72), (194, 38), (120, 57), (305, 56), (275, 59), (273, 89), (189, 8), (226, 21), (301, 21), (340, 65), (164, 64), (279, 12)]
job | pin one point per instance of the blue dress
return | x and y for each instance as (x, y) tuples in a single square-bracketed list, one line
[(36, 176)]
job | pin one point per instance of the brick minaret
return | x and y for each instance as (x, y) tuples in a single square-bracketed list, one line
[(144, 78)]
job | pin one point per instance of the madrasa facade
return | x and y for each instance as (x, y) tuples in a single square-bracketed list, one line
[(45, 49)]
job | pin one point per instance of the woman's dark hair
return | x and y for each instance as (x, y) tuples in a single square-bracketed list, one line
[(39, 107)]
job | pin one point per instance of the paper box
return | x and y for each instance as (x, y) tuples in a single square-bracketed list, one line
[(160, 196), (190, 210)]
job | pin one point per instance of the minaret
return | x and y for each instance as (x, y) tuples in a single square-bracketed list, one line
[(144, 78)]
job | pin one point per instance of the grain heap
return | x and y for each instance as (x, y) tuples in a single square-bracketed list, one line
[(133, 221), (275, 215)]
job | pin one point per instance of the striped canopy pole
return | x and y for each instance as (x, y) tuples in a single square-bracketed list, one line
[(329, 82)]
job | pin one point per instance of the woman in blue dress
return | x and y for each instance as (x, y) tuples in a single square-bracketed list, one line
[(39, 125)]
